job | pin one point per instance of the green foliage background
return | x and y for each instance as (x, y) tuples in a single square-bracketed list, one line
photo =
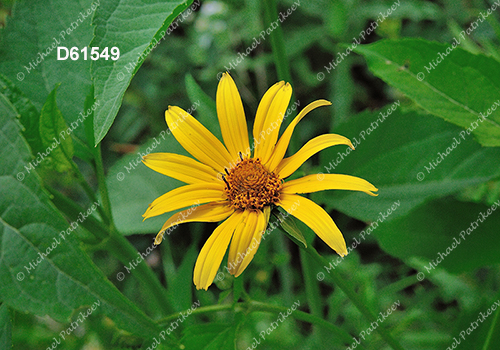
[(408, 154)]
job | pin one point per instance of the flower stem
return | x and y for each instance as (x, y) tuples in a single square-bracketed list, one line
[(88, 190), (103, 189), (72, 210), (355, 299), (200, 310), (123, 250), (118, 246), (399, 285), (302, 316), (489, 336), (312, 288), (253, 306), (285, 270)]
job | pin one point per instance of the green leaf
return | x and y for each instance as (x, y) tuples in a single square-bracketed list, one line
[(53, 131), (287, 222), (210, 336), (138, 29), (392, 152), (180, 284), (463, 235), (40, 271), (6, 327), (28, 54), (29, 116), (133, 186), (448, 82), (238, 288)]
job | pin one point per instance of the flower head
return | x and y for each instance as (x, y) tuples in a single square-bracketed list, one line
[(240, 183)]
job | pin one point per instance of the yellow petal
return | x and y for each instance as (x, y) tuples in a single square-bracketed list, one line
[(196, 139), (316, 218), (246, 240), (272, 109), (185, 196), (321, 182), (231, 116), (282, 145), (211, 212), (265, 103), (180, 167), (288, 165), (213, 252)]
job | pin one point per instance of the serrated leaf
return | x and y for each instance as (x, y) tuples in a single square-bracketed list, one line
[(28, 54), (287, 222), (393, 152), (445, 226), (5, 327), (41, 272), (445, 80), (57, 142), (136, 29), (29, 115)]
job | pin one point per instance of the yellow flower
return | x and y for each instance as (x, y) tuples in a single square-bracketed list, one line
[(241, 182)]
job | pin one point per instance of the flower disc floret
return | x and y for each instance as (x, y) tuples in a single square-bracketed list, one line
[(250, 186)]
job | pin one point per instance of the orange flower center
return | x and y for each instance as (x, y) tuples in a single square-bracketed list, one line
[(250, 186)]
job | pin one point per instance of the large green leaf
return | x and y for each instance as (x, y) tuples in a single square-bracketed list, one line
[(136, 28), (453, 235), (445, 80), (33, 33), (397, 150), (28, 114), (40, 271)]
